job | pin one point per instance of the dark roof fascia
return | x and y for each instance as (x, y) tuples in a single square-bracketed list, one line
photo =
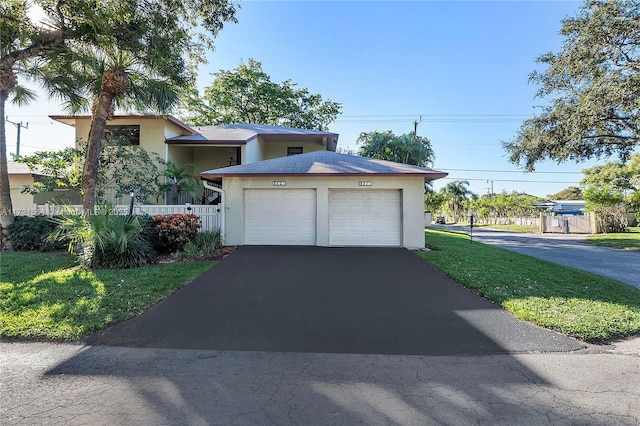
[(169, 118), (297, 136), (203, 142)]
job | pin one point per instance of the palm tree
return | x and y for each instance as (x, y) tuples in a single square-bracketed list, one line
[(20, 42), (105, 79), (456, 191), (181, 178)]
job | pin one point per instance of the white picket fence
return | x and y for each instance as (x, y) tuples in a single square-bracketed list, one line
[(209, 215)]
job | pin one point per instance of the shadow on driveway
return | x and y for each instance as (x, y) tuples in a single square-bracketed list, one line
[(331, 300)]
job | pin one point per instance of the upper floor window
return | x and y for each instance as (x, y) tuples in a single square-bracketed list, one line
[(294, 150), (128, 134)]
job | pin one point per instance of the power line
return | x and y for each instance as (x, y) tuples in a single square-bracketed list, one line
[(507, 171), (510, 180)]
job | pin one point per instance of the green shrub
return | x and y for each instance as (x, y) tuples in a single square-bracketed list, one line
[(106, 239), (30, 234), (175, 230), (204, 244)]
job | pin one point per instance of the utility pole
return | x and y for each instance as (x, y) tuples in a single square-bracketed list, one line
[(415, 126), (19, 126), (491, 187)]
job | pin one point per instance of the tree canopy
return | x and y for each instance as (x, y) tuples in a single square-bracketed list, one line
[(570, 193), (592, 86), (247, 95), (164, 35), (613, 183), (407, 148), (122, 167)]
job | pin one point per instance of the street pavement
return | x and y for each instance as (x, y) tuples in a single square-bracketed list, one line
[(354, 337), (44, 383), (569, 250)]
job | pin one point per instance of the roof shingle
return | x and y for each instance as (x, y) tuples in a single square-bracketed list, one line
[(323, 163)]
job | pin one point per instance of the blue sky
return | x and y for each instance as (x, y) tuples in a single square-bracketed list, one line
[(462, 65)]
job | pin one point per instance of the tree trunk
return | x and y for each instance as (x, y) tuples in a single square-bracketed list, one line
[(6, 207), (94, 149)]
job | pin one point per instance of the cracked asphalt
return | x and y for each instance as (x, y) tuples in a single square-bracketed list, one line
[(81, 385), (286, 364)]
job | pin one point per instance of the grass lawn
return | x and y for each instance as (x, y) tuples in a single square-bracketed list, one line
[(579, 304), (44, 296), (512, 228), (629, 240)]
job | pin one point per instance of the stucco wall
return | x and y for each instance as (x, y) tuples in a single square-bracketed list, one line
[(153, 131), (276, 149), (412, 203), (253, 151), (22, 203)]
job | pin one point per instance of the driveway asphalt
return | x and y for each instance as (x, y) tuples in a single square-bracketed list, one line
[(569, 250), (330, 300)]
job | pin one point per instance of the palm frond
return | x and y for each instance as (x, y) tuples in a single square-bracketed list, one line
[(23, 96)]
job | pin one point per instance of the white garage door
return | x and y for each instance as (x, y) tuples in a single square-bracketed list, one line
[(365, 218), (280, 216)]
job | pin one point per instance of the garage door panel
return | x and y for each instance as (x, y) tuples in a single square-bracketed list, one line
[(365, 217), (280, 216)]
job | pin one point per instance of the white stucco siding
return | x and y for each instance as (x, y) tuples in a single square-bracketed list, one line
[(412, 202)]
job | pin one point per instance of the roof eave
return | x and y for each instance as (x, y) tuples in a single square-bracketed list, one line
[(427, 176)]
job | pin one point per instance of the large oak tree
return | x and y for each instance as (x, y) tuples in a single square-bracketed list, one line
[(592, 86)]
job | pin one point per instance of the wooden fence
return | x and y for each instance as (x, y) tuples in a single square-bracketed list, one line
[(209, 215)]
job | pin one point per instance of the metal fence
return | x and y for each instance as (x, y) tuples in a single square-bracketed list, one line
[(209, 215)]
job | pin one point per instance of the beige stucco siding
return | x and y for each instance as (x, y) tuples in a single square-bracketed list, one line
[(153, 131), (276, 149), (23, 203), (412, 196)]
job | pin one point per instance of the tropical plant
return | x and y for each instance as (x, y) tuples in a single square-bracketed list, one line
[(247, 95), (19, 42), (433, 200), (165, 35), (105, 239), (104, 79), (181, 178), (456, 193), (203, 244)]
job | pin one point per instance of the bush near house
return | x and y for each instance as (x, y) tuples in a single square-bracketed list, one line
[(29, 233), (106, 239), (175, 230)]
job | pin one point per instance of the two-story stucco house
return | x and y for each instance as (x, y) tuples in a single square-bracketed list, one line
[(282, 186), (208, 147)]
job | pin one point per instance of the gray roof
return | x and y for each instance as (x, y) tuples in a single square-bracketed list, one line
[(21, 169), (323, 163), (243, 133)]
